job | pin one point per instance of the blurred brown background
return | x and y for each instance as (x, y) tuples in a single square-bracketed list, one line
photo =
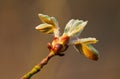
[(21, 46)]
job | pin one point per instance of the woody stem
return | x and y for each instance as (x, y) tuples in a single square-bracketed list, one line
[(38, 67)]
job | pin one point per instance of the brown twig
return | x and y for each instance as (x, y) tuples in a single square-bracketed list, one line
[(39, 66)]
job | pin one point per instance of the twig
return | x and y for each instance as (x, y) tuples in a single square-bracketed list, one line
[(39, 66)]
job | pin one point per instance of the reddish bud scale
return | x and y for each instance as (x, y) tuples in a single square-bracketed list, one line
[(59, 45), (65, 39)]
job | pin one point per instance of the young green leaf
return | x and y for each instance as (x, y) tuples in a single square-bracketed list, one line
[(74, 27), (49, 26), (45, 28), (84, 46)]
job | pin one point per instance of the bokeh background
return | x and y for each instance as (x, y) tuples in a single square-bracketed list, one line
[(22, 47)]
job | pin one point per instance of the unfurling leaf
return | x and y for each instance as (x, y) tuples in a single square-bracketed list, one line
[(88, 51), (84, 46), (89, 40), (48, 20), (74, 27), (45, 28), (49, 26)]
